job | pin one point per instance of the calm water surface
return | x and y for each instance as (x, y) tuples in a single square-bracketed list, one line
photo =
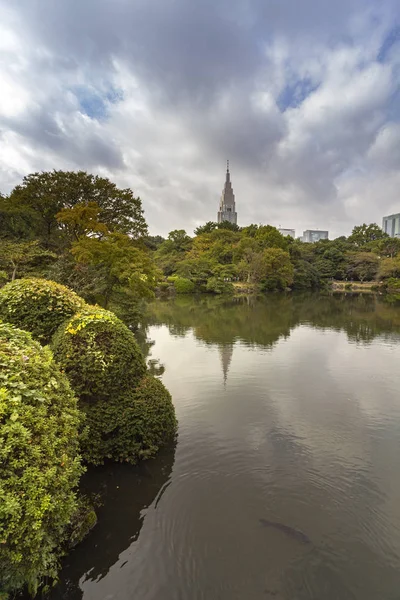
[(289, 414)]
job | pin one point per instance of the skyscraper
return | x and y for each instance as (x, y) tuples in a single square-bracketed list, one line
[(314, 235), (227, 207), (391, 225)]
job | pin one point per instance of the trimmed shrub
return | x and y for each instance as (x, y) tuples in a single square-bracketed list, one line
[(219, 286), (183, 285), (39, 460), (131, 426), (38, 306), (98, 353)]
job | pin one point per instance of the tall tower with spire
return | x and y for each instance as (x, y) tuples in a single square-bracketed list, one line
[(227, 207)]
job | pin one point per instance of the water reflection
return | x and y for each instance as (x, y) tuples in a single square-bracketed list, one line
[(289, 413), (125, 493), (263, 321), (226, 351)]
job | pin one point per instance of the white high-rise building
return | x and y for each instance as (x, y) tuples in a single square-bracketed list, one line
[(314, 235), (227, 206), (391, 225)]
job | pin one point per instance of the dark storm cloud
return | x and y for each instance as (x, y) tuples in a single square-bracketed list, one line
[(41, 129), (295, 93)]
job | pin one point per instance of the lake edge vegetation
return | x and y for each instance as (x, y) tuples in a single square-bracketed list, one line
[(84, 232), (76, 265)]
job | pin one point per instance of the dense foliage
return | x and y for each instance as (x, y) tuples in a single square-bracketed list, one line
[(38, 305), (98, 353), (79, 230), (221, 256), (130, 426), (129, 414), (83, 231), (39, 460)]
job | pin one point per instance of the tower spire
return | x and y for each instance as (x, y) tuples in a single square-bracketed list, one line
[(227, 208)]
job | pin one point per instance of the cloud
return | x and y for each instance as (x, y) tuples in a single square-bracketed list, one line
[(157, 94)]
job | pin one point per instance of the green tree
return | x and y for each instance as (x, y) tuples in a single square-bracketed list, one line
[(388, 246), (199, 270), (82, 219), (123, 266), (389, 267), (207, 228), (250, 230), (278, 270), (228, 225), (269, 237), (15, 256), (48, 193), (305, 276), (17, 222), (153, 242), (172, 251), (177, 241), (251, 266), (362, 266), (364, 234)]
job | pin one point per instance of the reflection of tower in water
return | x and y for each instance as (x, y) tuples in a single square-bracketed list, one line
[(226, 351)]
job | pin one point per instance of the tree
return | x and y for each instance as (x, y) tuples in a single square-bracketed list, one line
[(364, 234), (250, 230), (82, 219), (153, 242), (122, 266), (389, 267), (325, 267), (207, 228), (48, 193), (251, 267), (228, 225), (387, 246), (305, 276), (362, 266), (177, 241), (269, 237), (198, 270), (16, 255), (16, 221), (278, 270)]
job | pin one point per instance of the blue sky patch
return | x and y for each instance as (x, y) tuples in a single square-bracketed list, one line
[(294, 94), (95, 103), (390, 40)]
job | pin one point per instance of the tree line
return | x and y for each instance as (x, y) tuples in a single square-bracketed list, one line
[(220, 254), (83, 231)]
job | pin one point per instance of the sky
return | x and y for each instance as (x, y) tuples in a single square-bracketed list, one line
[(302, 96)]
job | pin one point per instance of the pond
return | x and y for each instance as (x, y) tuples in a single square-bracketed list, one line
[(284, 482)]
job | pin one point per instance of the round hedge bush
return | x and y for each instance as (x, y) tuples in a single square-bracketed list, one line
[(131, 426), (183, 285), (98, 353), (39, 460), (38, 306)]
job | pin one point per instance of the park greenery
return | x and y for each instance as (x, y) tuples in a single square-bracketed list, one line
[(40, 464), (76, 265), (222, 257), (85, 398), (84, 232)]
